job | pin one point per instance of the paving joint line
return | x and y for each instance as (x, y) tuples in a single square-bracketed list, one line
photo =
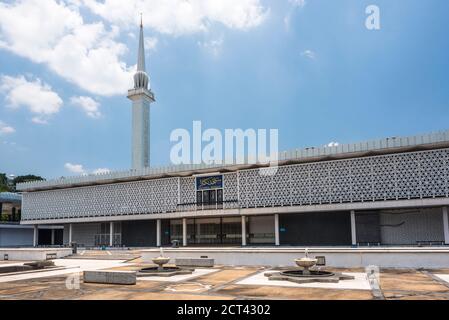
[(220, 287), (435, 278)]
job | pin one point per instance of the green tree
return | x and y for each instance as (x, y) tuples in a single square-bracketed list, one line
[(3, 183), (7, 186), (26, 178)]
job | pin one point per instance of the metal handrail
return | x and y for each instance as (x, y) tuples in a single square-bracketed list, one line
[(201, 206)]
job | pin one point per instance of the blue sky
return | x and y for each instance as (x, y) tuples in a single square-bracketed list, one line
[(310, 69)]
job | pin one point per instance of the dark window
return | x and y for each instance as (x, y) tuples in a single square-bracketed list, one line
[(206, 197), (209, 199), (220, 196), (213, 197), (315, 229), (199, 197)]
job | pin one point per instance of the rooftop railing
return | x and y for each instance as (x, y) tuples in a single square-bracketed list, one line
[(297, 154), (10, 197)]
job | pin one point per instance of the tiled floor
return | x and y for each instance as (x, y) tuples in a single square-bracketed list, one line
[(70, 266), (444, 277), (359, 283), (181, 277), (218, 283)]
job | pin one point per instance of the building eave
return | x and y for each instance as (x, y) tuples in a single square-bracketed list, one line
[(358, 150)]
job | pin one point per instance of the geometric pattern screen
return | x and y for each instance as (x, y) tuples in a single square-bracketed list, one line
[(412, 175)]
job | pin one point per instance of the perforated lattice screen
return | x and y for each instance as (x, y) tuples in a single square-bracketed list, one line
[(388, 177)]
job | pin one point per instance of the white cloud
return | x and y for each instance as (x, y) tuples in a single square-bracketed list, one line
[(298, 3), (332, 144), (88, 105), (151, 43), (101, 171), (287, 19), (6, 129), (213, 46), (75, 168), (9, 143), (87, 54), (294, 4), (35, 95), (80, 170), (54, 33), (308, 54), (39, 120), (181, 16)]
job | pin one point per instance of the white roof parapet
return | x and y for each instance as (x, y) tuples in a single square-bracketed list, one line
[(297, 154), (10, 196)]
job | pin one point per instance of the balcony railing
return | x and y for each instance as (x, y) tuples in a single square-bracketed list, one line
[(197, 206), (103, 239)]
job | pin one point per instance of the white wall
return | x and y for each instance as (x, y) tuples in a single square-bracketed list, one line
[(14, 237), (342, 258), (261, 224)]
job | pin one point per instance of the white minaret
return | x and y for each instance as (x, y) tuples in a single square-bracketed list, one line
[(141, 97)]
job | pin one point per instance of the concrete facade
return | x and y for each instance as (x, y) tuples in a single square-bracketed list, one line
[(392, 199), (33, 254), (342, 185), (15, 235), (335, 257)]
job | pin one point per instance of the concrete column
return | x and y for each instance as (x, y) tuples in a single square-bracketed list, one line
[(243, 231), (184, 232), (446, 225), (35, 235), (52, 237), (158, 233), (353, 229), (276, 230), (111, 234), (70, 233)]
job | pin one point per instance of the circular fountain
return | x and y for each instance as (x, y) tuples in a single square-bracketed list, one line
[(306, 263), (305, 275), (160, 270), (160, 261)]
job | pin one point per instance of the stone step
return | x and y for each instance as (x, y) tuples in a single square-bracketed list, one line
[(195, 262), (110, 277)]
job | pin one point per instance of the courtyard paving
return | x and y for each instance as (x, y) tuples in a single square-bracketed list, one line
[(219, 283)]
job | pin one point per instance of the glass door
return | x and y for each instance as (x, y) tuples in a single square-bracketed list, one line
[(209, 199), (176, 230), (208, 231), (232, 231)]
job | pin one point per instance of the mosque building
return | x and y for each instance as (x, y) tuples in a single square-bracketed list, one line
[(387, 192)]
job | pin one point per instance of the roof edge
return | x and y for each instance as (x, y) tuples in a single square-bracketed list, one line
[(390, 145)]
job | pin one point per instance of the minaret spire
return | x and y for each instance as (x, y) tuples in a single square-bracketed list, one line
[(141, 56), (141, 78)]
